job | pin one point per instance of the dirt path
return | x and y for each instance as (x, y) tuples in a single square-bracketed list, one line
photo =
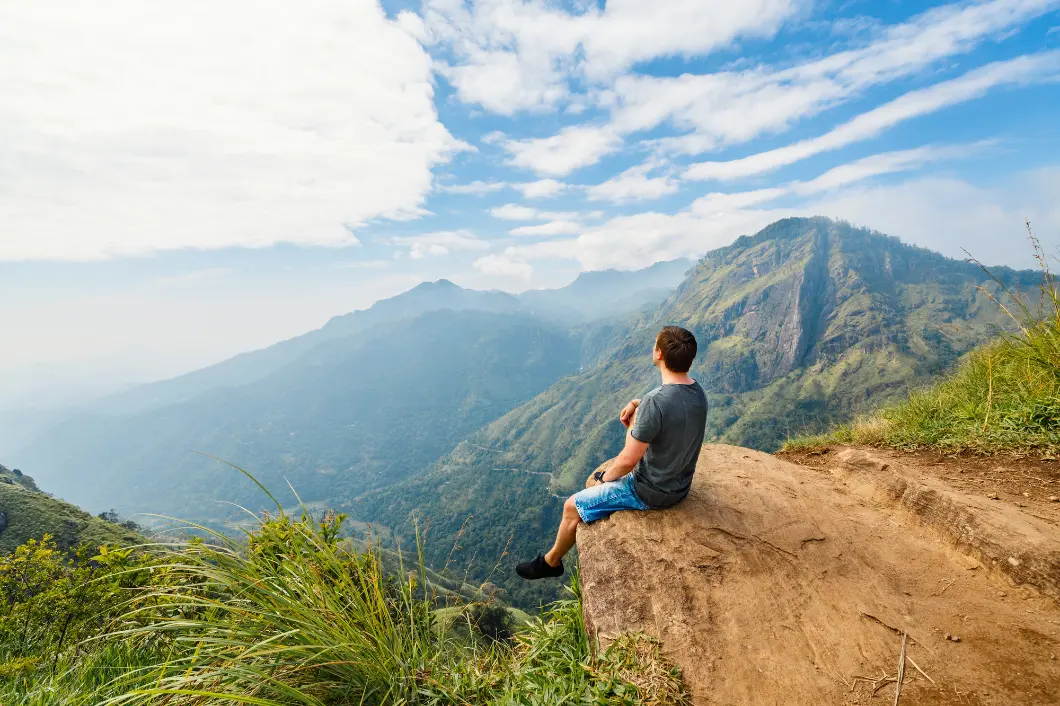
[(775, 583), (1027, 483)]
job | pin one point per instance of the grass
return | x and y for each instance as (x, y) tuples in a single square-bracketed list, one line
[(1004, 397), (291, 614)]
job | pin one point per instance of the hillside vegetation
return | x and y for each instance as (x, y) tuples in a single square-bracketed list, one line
[(27, 513), (287, 615), (1003, 397)]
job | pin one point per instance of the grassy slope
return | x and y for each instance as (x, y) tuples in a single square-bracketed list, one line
[(31, 514)]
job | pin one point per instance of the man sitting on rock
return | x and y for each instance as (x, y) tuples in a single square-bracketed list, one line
[(656, 465)]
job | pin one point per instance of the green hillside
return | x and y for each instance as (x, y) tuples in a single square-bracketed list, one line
[(1004, 397), (27, 513), (800, 326)]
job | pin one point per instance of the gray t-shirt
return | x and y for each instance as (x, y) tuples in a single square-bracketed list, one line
[(671, 419)]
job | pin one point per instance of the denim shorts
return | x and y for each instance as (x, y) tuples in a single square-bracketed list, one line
[(605, 499)]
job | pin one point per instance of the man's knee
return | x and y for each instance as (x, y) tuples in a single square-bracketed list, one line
[(570, 510)]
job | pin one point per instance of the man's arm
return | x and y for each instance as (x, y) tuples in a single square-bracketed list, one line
[(631, 454), (626, 415)]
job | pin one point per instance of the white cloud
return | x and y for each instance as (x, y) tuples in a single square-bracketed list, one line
[(504, 266), (569, 149), (974, 84), (634, 184), (512, 55), (943, 214), (541, 189), (736, 106), (514, 212), (134, 127), (884, 163), (440, 243), (474, 188), (550, 228)]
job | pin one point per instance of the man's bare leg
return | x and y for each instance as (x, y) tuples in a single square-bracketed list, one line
[(568, 531)]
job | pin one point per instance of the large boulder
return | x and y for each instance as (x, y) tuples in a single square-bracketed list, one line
[(777, 584)]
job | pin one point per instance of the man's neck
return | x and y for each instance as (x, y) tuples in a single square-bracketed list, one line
[(670, 378)]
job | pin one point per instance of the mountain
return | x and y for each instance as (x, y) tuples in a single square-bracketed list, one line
[(27, 513), (351, 414), (592, 295), (255, 365), (800, 325), (608, 293)]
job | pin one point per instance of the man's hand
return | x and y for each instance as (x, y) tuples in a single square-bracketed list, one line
[(626, 415)]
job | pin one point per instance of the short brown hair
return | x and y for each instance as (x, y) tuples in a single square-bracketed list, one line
[(678, 347)]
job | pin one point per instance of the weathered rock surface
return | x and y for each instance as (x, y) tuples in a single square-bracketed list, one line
[(778, 584)]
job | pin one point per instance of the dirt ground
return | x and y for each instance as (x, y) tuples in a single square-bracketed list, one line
[(1027, 483), (793, 581)]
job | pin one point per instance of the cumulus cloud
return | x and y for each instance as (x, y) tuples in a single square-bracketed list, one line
[(514, 212), (569, 149), (474, 188), (551, 228), (134, 127), (512, 55), (974, 84), (729, 107), (440, 243), (932, 210), (634, 184), (541, 189)]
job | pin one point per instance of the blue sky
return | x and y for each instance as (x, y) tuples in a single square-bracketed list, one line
[(181, 181)]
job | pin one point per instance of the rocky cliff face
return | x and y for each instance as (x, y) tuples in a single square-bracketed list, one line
[(777, 584)]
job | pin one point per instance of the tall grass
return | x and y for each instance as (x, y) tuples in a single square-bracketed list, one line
[(1003, 397), (291, 614)]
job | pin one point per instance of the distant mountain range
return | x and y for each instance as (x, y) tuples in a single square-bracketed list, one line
[(363, 401), (476, 412)]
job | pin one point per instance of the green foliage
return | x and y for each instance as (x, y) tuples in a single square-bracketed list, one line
[(1003, 397), (290, 615), (53, 600)]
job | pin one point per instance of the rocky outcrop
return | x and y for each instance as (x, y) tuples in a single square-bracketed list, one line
[(778, 584)]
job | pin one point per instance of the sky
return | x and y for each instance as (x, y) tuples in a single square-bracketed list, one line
[(184, 180)]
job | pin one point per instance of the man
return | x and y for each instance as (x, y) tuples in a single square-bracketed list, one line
[(655, 468)]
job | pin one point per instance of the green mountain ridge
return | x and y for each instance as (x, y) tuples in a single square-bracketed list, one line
[(803, 324)]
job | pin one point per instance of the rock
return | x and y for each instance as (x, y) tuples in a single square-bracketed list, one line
[(1054, 498), (761, 592), (993, 496), (953, 638)]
